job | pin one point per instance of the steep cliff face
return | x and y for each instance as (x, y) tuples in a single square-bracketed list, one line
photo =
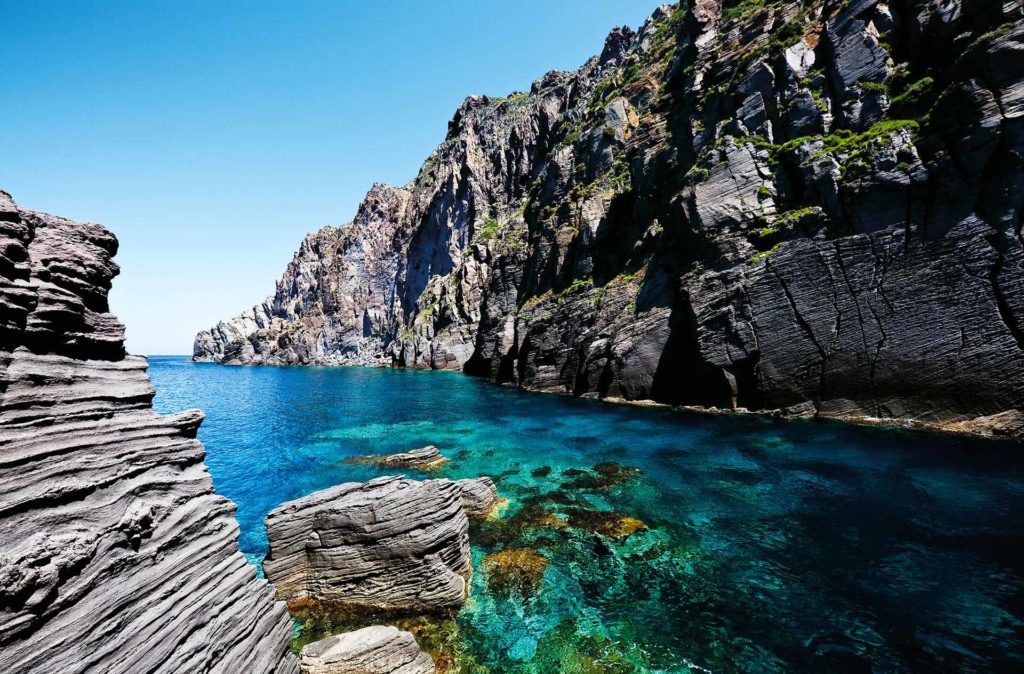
[(115, 553), (812, 207)]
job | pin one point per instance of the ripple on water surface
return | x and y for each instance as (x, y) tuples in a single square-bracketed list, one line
[(639, 540)]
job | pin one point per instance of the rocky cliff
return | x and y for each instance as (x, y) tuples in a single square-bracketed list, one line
[(115, 553), (812, 207)]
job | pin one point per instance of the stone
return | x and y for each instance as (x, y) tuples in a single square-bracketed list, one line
[(1009, 424), (518, 570), (607, 523), (606, 475), (116, 554), (390, 543), (371, 650)]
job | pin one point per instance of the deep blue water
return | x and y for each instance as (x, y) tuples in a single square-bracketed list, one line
[(770, 546)]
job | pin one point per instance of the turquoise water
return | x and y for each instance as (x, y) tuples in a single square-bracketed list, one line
[(769, 546)]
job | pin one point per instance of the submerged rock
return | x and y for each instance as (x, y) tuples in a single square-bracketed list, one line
[(116, 554), (515, 570), (371, 650), (516, 528), (606, 475), (605, 522), (388, 543)]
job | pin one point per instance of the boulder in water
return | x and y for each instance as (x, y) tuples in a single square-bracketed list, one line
[(424, 458), (427, 458), (390, 543)]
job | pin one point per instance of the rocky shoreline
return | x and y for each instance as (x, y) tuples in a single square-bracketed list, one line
[(797, 210), (116, 555), (805, 209), (1005, 425)]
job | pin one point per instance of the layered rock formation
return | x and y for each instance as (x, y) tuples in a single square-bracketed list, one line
[(812, 207), (371, 650), (116, 555), (389, 543)]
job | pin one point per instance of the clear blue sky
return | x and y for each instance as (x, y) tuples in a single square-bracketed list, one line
[(211, 136)]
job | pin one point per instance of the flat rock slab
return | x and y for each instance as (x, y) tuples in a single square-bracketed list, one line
[(424, 458), (371, 650), (389, 543)]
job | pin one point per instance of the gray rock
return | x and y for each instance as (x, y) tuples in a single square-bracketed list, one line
[(858, 56), (800, 58), (116, 555), (371, 650), (390, 543)]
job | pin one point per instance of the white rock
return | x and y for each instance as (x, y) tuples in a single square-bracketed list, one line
[(371, 650)]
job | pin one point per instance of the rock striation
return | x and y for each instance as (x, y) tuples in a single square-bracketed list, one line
[(116, 555), (390, 543), (813, 208), (371, 650)]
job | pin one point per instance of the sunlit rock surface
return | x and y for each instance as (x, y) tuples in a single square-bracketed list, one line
[(426, 458), (115, 553)]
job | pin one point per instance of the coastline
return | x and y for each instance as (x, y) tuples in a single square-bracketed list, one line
[(981, 427)]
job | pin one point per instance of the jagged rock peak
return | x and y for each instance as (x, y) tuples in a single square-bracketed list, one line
[(116, 555), (616, 46)]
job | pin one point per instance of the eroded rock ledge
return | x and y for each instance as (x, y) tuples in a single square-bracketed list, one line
[(115, 553), (809, 207)]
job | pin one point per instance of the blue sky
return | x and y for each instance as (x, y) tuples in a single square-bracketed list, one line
[(210, 137)]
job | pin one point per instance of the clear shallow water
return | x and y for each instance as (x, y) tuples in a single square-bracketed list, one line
[(770, 546)]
